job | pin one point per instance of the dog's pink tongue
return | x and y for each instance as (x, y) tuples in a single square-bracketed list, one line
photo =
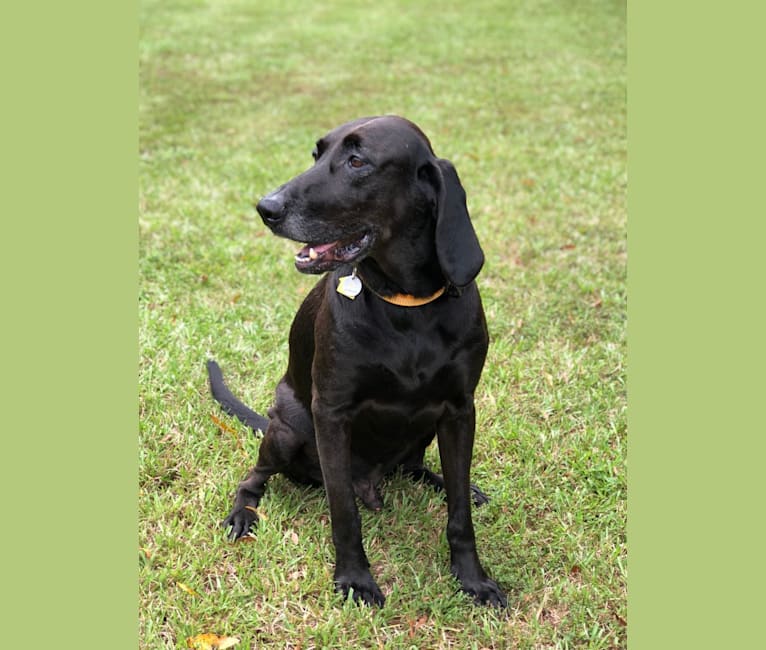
[(316, 251), (323, 248)]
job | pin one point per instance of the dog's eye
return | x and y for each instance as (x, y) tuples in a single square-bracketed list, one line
[(356, 162)]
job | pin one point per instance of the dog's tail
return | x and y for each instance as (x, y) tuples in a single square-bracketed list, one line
[(231, 404)]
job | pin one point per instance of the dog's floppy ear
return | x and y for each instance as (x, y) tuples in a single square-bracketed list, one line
[(457, 247)]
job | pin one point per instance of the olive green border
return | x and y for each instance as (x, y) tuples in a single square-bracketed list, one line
[(696, 290), (69, 241), (696, 142)]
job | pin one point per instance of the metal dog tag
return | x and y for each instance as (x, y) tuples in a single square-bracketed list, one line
[(349, 286)]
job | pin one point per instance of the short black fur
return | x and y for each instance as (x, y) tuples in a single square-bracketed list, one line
[(370, 384)]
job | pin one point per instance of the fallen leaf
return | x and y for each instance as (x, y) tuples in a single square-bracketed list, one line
[(222, 425), (187, 589), (414, 625), (294, 537), (297, 575), (146, 552), (567, 247), (202, 641), (227, 429), (256, 511), (211, 642)]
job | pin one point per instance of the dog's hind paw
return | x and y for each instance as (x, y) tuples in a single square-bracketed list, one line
[(240, 521), (478, 497), (436, 481)]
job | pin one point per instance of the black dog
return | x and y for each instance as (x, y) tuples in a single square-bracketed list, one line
[(385, 351)]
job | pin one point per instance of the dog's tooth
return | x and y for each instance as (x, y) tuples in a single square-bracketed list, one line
[(313, 254)]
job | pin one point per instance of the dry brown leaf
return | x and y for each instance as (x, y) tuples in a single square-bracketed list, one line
[(257, 512), (211, 641), (187, 589), (414, 625), (227, 429), (202, 641), (222, 425)]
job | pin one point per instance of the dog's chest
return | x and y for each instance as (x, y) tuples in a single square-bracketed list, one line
[(411, 370)]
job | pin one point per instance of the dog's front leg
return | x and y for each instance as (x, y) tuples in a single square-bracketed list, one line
[(455, 434), (352, 570)]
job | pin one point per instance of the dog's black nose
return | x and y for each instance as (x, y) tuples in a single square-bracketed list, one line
[(271, 209)]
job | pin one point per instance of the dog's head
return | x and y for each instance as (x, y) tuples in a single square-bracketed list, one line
[(375, 181)]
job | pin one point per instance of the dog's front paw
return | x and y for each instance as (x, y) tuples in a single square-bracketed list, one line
[(361, 588), (240, 520), (485, 591)]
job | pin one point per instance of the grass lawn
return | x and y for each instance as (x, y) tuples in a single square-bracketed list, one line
[(527, 98)]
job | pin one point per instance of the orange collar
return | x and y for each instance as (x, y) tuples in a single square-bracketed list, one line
[(406, 299)]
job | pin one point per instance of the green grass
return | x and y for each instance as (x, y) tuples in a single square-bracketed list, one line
[(527, 99)]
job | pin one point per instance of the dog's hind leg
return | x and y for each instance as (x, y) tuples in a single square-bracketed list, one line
[(278, 449), (415, 468)]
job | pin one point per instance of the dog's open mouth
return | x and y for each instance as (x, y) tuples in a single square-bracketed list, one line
[(318, 258)]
